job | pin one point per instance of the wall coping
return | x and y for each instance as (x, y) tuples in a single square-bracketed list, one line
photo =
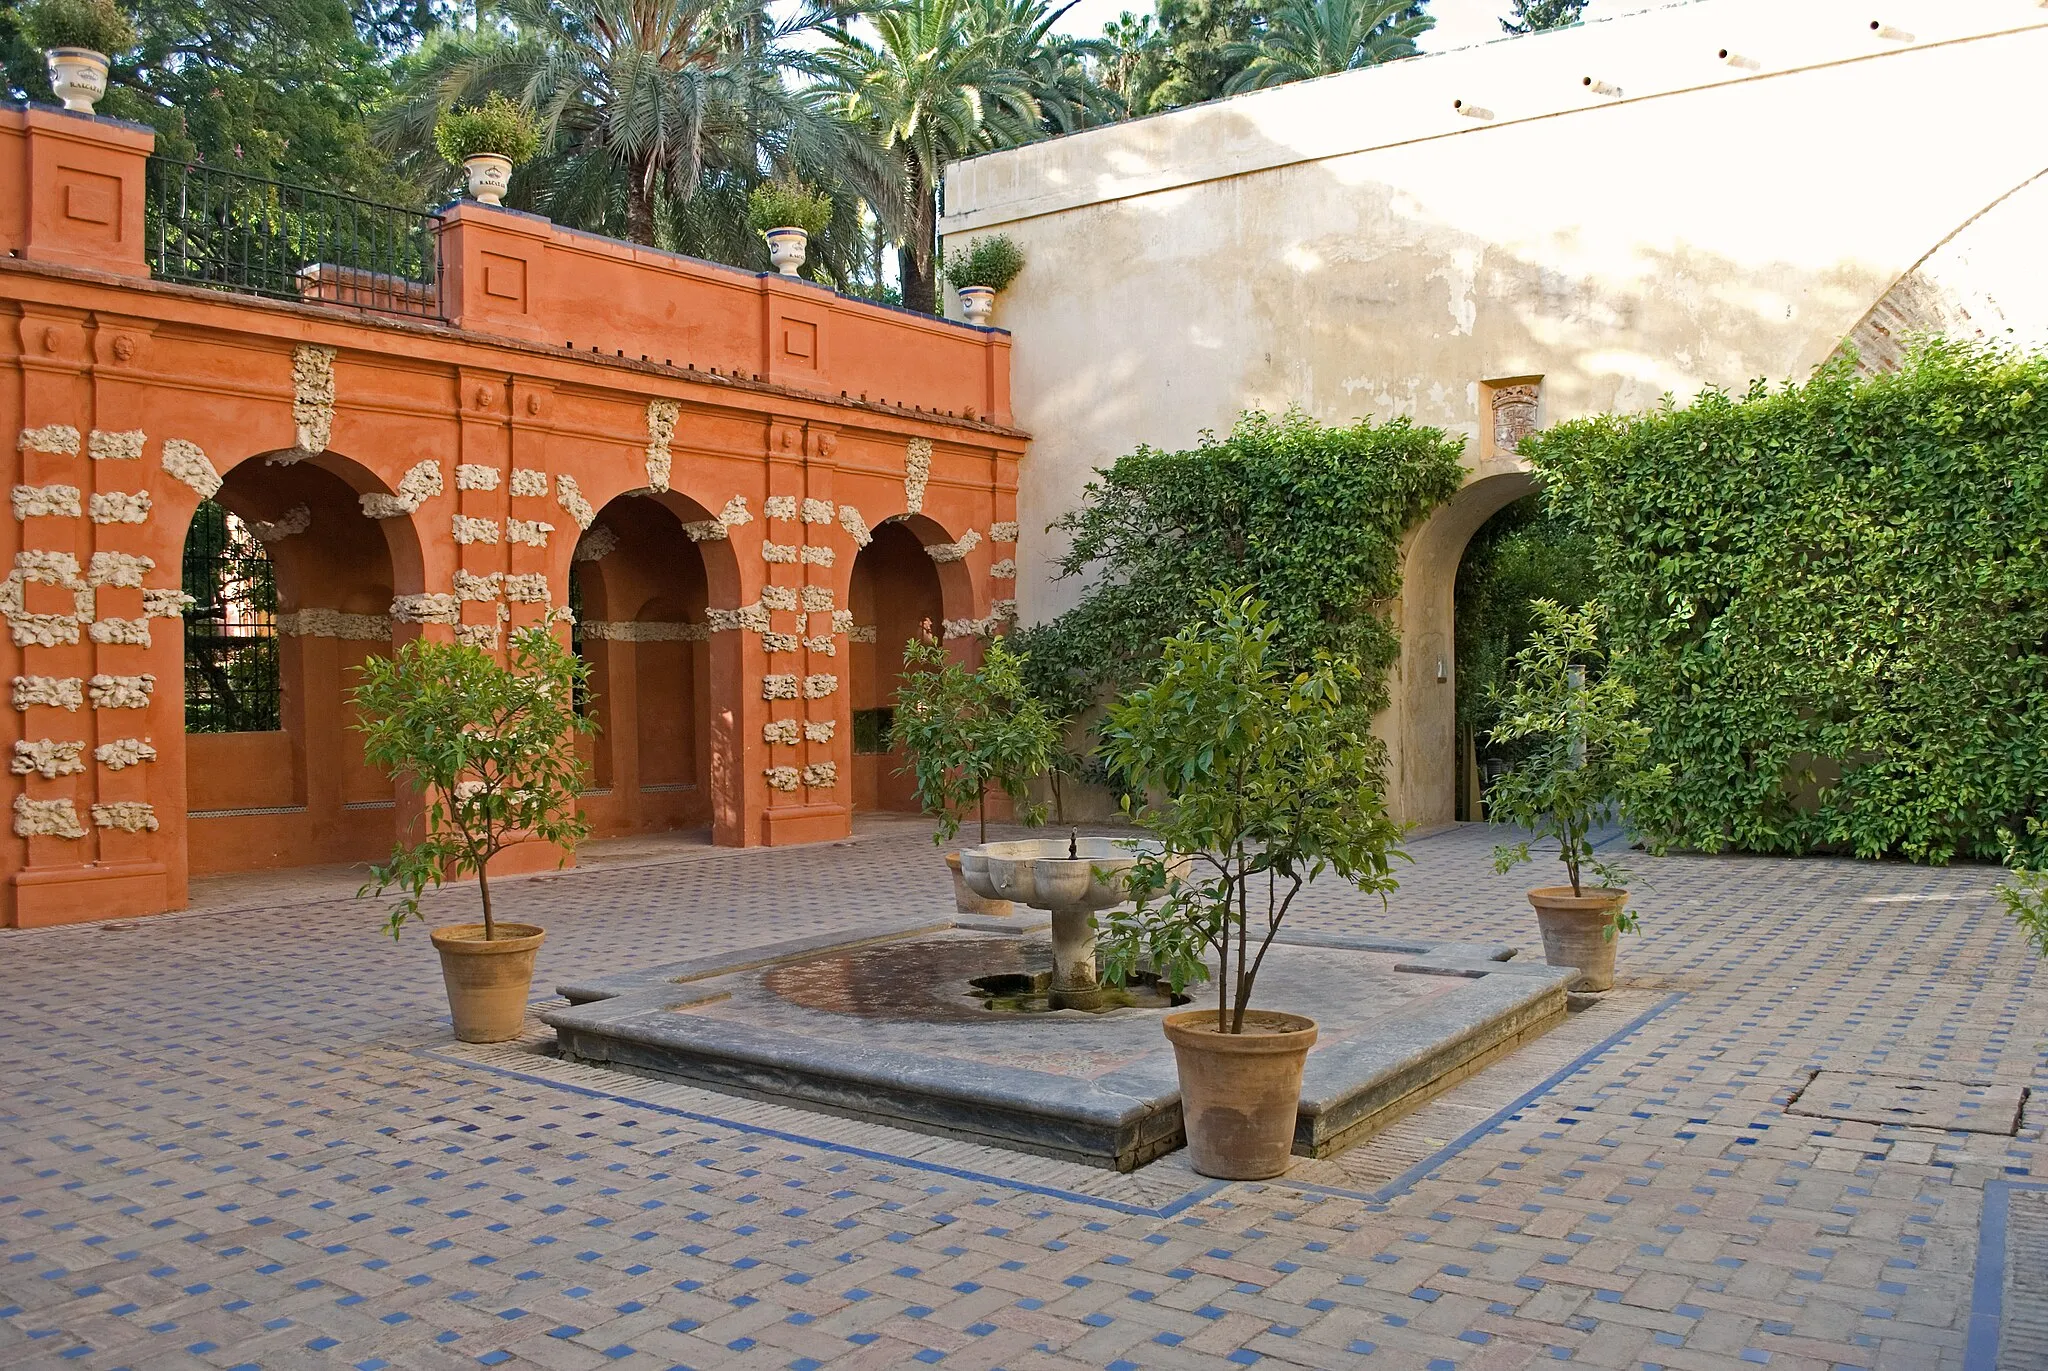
[(349, 316), (1642, 56)]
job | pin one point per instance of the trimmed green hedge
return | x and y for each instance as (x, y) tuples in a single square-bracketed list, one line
[(1832, 600)]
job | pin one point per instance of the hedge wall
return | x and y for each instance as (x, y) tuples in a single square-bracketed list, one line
[(1832, 600)]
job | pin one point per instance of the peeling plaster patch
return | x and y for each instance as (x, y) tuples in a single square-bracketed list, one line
[(432, 608), (532, 483), (122, 753), (816, 556), (46, 819), (783, 778), (735, 512), (292, 522), (531, 588), (49, 692), (820, 730), (467, 529), (187, 463), (818, 600), (822, 645), (821, 775), (778, 597), (781, 686), (477, 635), (312, 397), (1460, 276), (475, 476), (917, 473), (130, 816), (661, 431), (782, 507), (817, 511), (778, 553), (470, 586), (57, 439), (529, 532), (704, 531), (1003, 531), (783, 731), (778, 642), (121, 692), (570, 497), (820, 684), (857, 527), (953, 552), (120, 445), (48, 758), (119, 507), (53, 501), (647, 631), (332, 623), (121, 632), (1004, 570), (863, 633), (162, 602), (596, 545), (969, 628)]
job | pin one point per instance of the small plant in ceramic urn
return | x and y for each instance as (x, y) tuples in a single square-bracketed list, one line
[(487, 141), (491, 748), (964, 732), (1259, 779), (981, 271), (78, 38), (788, 214), (1585, 751)]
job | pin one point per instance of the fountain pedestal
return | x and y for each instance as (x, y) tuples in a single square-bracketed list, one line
[(1069, 878)]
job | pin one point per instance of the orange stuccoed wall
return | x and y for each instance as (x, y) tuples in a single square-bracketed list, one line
[(736, 467)]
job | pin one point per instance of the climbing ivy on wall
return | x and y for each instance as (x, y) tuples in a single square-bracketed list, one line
[(1309, 516), (1832, 600)]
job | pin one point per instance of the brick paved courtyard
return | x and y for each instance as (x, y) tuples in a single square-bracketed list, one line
[(245, 1138)]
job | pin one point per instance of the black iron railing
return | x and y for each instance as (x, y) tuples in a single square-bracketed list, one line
[(208, 227)]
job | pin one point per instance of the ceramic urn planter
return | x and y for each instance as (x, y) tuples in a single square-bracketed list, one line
[(78, 76), (490, 981), (978, 303), (1578, 931), (786, 248), (1240, 1092), (490, 176)]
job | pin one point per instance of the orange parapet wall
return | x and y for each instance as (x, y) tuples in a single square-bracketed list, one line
[(711, 450)]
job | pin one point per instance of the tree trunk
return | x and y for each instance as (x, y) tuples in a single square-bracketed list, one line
[(640, 209), (483, 886), (916, 261)]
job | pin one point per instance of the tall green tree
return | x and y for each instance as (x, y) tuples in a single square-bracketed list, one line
[(1534, 16), (658, 116), (1306, 38)]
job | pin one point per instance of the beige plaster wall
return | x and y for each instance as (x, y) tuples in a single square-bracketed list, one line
[(1367, 245)]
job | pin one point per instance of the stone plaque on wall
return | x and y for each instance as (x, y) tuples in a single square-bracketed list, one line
[(1514, 415)]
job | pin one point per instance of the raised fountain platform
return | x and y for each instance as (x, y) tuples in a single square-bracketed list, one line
[(888, 1027)]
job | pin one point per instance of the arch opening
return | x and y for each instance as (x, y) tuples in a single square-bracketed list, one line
[(639, 588), (896, 594)]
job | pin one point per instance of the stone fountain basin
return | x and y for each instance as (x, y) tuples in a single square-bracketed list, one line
[(1038, 872)]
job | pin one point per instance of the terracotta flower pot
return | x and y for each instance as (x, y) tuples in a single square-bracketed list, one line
[(1239, 1092), (488, 982), (490, 176), (1578, 931), (967, 902)]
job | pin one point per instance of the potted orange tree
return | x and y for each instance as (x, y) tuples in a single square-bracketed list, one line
[(1261, 778), (1585, 749), (963, 732), (491, 748)]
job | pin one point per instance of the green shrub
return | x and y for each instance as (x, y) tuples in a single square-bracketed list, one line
[(1831, 600), (788, 204), (490, 747), (1311, 518), (964, 731), (2025, 892), (993, 261), (100, 25), (497, 126)]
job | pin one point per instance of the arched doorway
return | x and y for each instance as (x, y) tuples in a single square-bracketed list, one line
[(292, 586), (639, 590), (895, 596)]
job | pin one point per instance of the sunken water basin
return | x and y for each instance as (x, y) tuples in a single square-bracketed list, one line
[(891, 1028)]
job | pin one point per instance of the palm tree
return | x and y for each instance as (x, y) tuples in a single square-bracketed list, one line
[(1131, 51), (644, 106), (1305, 38)]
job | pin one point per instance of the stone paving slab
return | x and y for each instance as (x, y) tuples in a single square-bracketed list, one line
[(244, 1138)]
